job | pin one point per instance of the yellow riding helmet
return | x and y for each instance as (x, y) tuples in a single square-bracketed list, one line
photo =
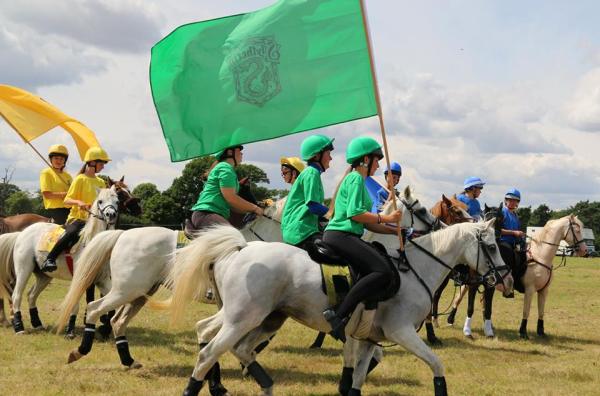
[(96, 154), (293, 162), (58, 149)]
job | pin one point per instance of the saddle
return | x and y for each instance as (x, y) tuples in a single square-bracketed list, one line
[(49, 239)]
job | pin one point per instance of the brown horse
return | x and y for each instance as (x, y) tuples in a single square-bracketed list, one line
[(14, 224), (20, 222), (450, 211)]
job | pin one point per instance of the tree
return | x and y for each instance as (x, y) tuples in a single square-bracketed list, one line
[(162, 209), (6, 190), (144, 191), (540, 216), (19, 202), (524, 214)]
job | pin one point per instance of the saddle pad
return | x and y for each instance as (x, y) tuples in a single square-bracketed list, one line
[(182, 240), (49, 239), (336, 281)]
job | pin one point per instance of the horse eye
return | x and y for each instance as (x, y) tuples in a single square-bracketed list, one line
[(492, 247), (100, 202)]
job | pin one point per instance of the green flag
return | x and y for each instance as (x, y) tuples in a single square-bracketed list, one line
[(293, 66)]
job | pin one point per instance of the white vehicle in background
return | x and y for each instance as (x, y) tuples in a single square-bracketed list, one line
[(588, 238)]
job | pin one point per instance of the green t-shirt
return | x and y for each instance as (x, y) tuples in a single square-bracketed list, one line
[(211, 199), (352, 199), (298, 223)]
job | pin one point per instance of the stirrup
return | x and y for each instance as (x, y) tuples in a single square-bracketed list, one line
[(49, 265), (338, 325)]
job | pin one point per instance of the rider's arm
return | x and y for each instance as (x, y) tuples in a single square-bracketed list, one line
[(515, 233), (377, 219), (239, 203), (54, 195), (317, 209), (381, 228)]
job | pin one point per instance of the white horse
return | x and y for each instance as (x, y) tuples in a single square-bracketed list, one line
[(103, 215), (261, 285), (7, 281), (540, 269), (135, 262)]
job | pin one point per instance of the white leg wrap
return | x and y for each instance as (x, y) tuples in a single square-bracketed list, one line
[(467, 327)]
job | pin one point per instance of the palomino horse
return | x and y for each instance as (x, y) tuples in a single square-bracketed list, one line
[(103, 215), (262, 284), (13, 224), (139, 260), (540, 268)]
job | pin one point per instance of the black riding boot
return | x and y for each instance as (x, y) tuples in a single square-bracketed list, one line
[(338, 325)]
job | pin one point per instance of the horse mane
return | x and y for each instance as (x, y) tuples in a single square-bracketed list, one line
[(443, 239), (551, 226), (93, 225)]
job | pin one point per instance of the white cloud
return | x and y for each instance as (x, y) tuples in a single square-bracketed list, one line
[(583, 112)]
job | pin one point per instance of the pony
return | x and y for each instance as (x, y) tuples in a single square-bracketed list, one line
[(103, 216), (262, 284), (540, 269)]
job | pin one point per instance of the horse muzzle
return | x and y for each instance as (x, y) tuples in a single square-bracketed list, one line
[(506, 285)]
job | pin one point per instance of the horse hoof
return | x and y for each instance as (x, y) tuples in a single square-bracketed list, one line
[(524, 336), (70, 336), (135, 366), (542, 335), (74, 356), (470, 337), (21, 332), (434, 342)]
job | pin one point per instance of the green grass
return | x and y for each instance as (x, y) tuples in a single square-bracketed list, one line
[(564, 364)]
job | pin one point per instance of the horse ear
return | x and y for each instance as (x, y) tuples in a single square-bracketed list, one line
[(490, 223), (501, 205), (122, 178), (446, 200), (485, 207), (407, 192), (110, 182)]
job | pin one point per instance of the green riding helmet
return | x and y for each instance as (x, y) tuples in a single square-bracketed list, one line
[(220, 153), (361, 146), (314, 144)]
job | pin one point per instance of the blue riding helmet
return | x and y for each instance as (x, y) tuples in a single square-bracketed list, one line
[(473, 182), (395, 168), (513, 193)]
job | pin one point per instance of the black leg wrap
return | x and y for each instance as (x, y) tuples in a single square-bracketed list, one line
[(354, 392), (71, 326), (215, 387), (451, 316), (318, 342), (439, 386), (260, 375), (372, 364), (523, 329), (193, 387), (35, 318), (346, 381), (261, 346), (540, 328), (18, 322), (123, 349), (88, 339), (433, 340)]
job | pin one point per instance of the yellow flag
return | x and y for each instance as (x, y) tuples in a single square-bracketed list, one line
[(31, 116)]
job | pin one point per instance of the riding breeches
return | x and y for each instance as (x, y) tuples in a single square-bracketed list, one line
[(374, 272), (309, 245), (59, 215), (202, 219), (68, 239)]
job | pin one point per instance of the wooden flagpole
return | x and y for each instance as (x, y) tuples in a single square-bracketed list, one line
[(379, 112)]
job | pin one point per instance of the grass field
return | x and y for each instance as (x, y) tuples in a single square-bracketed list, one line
[(567, 363)]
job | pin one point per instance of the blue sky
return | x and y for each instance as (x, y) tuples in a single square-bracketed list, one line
[(508, 91)]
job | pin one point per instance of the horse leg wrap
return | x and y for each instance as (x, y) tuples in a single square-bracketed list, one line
[(260, 375), (540, 327), (523, 328), (261, 346), (451, 316), (105, 328), (215, 387), (18, 322), (372, 364), (88, 339), (71, 326), (354, 392), (35, 318), (439, 386), (431, 337), (193, 387), (123, 349), (318, 343), (346, 381)]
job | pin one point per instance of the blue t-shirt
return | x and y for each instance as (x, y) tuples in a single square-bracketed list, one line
[(473, 206), (382, 196), (511, 222)]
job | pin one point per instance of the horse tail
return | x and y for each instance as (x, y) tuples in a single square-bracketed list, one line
[(92, 259), (7, 265), (192, 265)]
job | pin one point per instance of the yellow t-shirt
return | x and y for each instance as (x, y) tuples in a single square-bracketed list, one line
[(49, 181), (83, 188)]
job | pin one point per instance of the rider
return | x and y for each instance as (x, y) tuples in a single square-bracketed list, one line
[(512, 238), (472, 190), (392, 178), (344, 231), (291, 168), (304, 204), (80, 197), (220, 192), (54, 184)]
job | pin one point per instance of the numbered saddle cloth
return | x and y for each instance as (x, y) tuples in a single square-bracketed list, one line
[(49, 239)]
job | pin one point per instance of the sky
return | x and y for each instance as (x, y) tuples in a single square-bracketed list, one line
[(508, 91)]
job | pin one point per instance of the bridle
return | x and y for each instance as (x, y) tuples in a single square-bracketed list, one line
[(102, 212), (421, 214), (251, 218)]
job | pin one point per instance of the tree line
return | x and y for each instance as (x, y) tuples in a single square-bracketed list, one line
[(172, 206)]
